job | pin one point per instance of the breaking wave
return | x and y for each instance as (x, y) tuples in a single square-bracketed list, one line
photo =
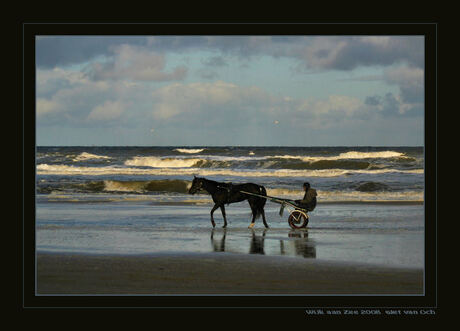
[(189, 150), (46, 169), (339, 174), (349, 156), (88, 156), (369, 155), (265, 162), (157, 162)]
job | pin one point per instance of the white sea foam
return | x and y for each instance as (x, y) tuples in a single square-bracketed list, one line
[(344, 156), (181, 161), (189, 150), (370, 155), (88, 156), (184, 162), (157, 162), (46, 169)]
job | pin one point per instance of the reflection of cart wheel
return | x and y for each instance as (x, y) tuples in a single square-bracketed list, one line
[(297, 220)]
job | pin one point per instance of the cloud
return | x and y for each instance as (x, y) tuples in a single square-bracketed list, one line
[(322, 52), (52, 51), (109, 110), (236, 45), (390, 105), (48, 82), (409, 101), (410, 81), (206, 104), (115, 87), (313, 52), (214, 61), (68, 98), (347, 53), (226, 104), (45, 106), (208, 74), (134, 63), (222, 104), (196, 98), (332, 111)]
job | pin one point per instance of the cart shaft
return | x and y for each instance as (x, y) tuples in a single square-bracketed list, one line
[(273, 199)]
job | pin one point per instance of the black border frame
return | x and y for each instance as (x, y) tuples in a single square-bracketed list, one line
[(28, 29)]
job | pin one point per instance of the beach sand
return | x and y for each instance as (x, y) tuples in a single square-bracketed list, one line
[(217, 273)]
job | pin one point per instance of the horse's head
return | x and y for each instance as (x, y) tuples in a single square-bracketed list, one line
[(197, 185)]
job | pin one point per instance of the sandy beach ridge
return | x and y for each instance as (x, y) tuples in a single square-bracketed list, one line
[(217, 273)]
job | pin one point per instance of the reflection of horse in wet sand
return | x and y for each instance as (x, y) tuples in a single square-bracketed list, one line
[(218, 246), (257, 243), (298, 239), (302, 246), (226, 193)]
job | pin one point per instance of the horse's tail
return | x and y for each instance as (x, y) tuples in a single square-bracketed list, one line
[(260, 202)]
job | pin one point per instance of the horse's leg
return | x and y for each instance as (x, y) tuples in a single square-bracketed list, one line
[(212, 216), (254, 214), (263, 218), (222, 208)]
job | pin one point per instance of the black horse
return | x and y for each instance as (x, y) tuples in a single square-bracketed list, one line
[(226, 193)]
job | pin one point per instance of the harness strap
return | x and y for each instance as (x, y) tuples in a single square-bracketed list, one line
[(283, 202)]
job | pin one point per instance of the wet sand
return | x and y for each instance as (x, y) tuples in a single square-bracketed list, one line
[(216, 273)]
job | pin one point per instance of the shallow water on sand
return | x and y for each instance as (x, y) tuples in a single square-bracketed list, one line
[(391, 235)]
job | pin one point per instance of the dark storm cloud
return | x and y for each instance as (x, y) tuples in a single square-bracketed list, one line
[(52, 51), (67, 50), (323, 52), (246, 45), (347, 53)]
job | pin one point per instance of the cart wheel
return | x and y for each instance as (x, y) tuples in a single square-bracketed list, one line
[(297, 220)]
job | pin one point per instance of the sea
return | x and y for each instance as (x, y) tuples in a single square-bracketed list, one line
[(134, 200)]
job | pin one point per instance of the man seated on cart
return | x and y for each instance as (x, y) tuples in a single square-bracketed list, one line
[(309, 200)]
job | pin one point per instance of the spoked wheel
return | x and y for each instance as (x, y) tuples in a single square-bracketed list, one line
[(298, 219)]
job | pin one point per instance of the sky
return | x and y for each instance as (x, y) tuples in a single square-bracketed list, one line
[(230, 90)]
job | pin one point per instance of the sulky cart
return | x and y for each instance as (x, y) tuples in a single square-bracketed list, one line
[(298, 216)]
